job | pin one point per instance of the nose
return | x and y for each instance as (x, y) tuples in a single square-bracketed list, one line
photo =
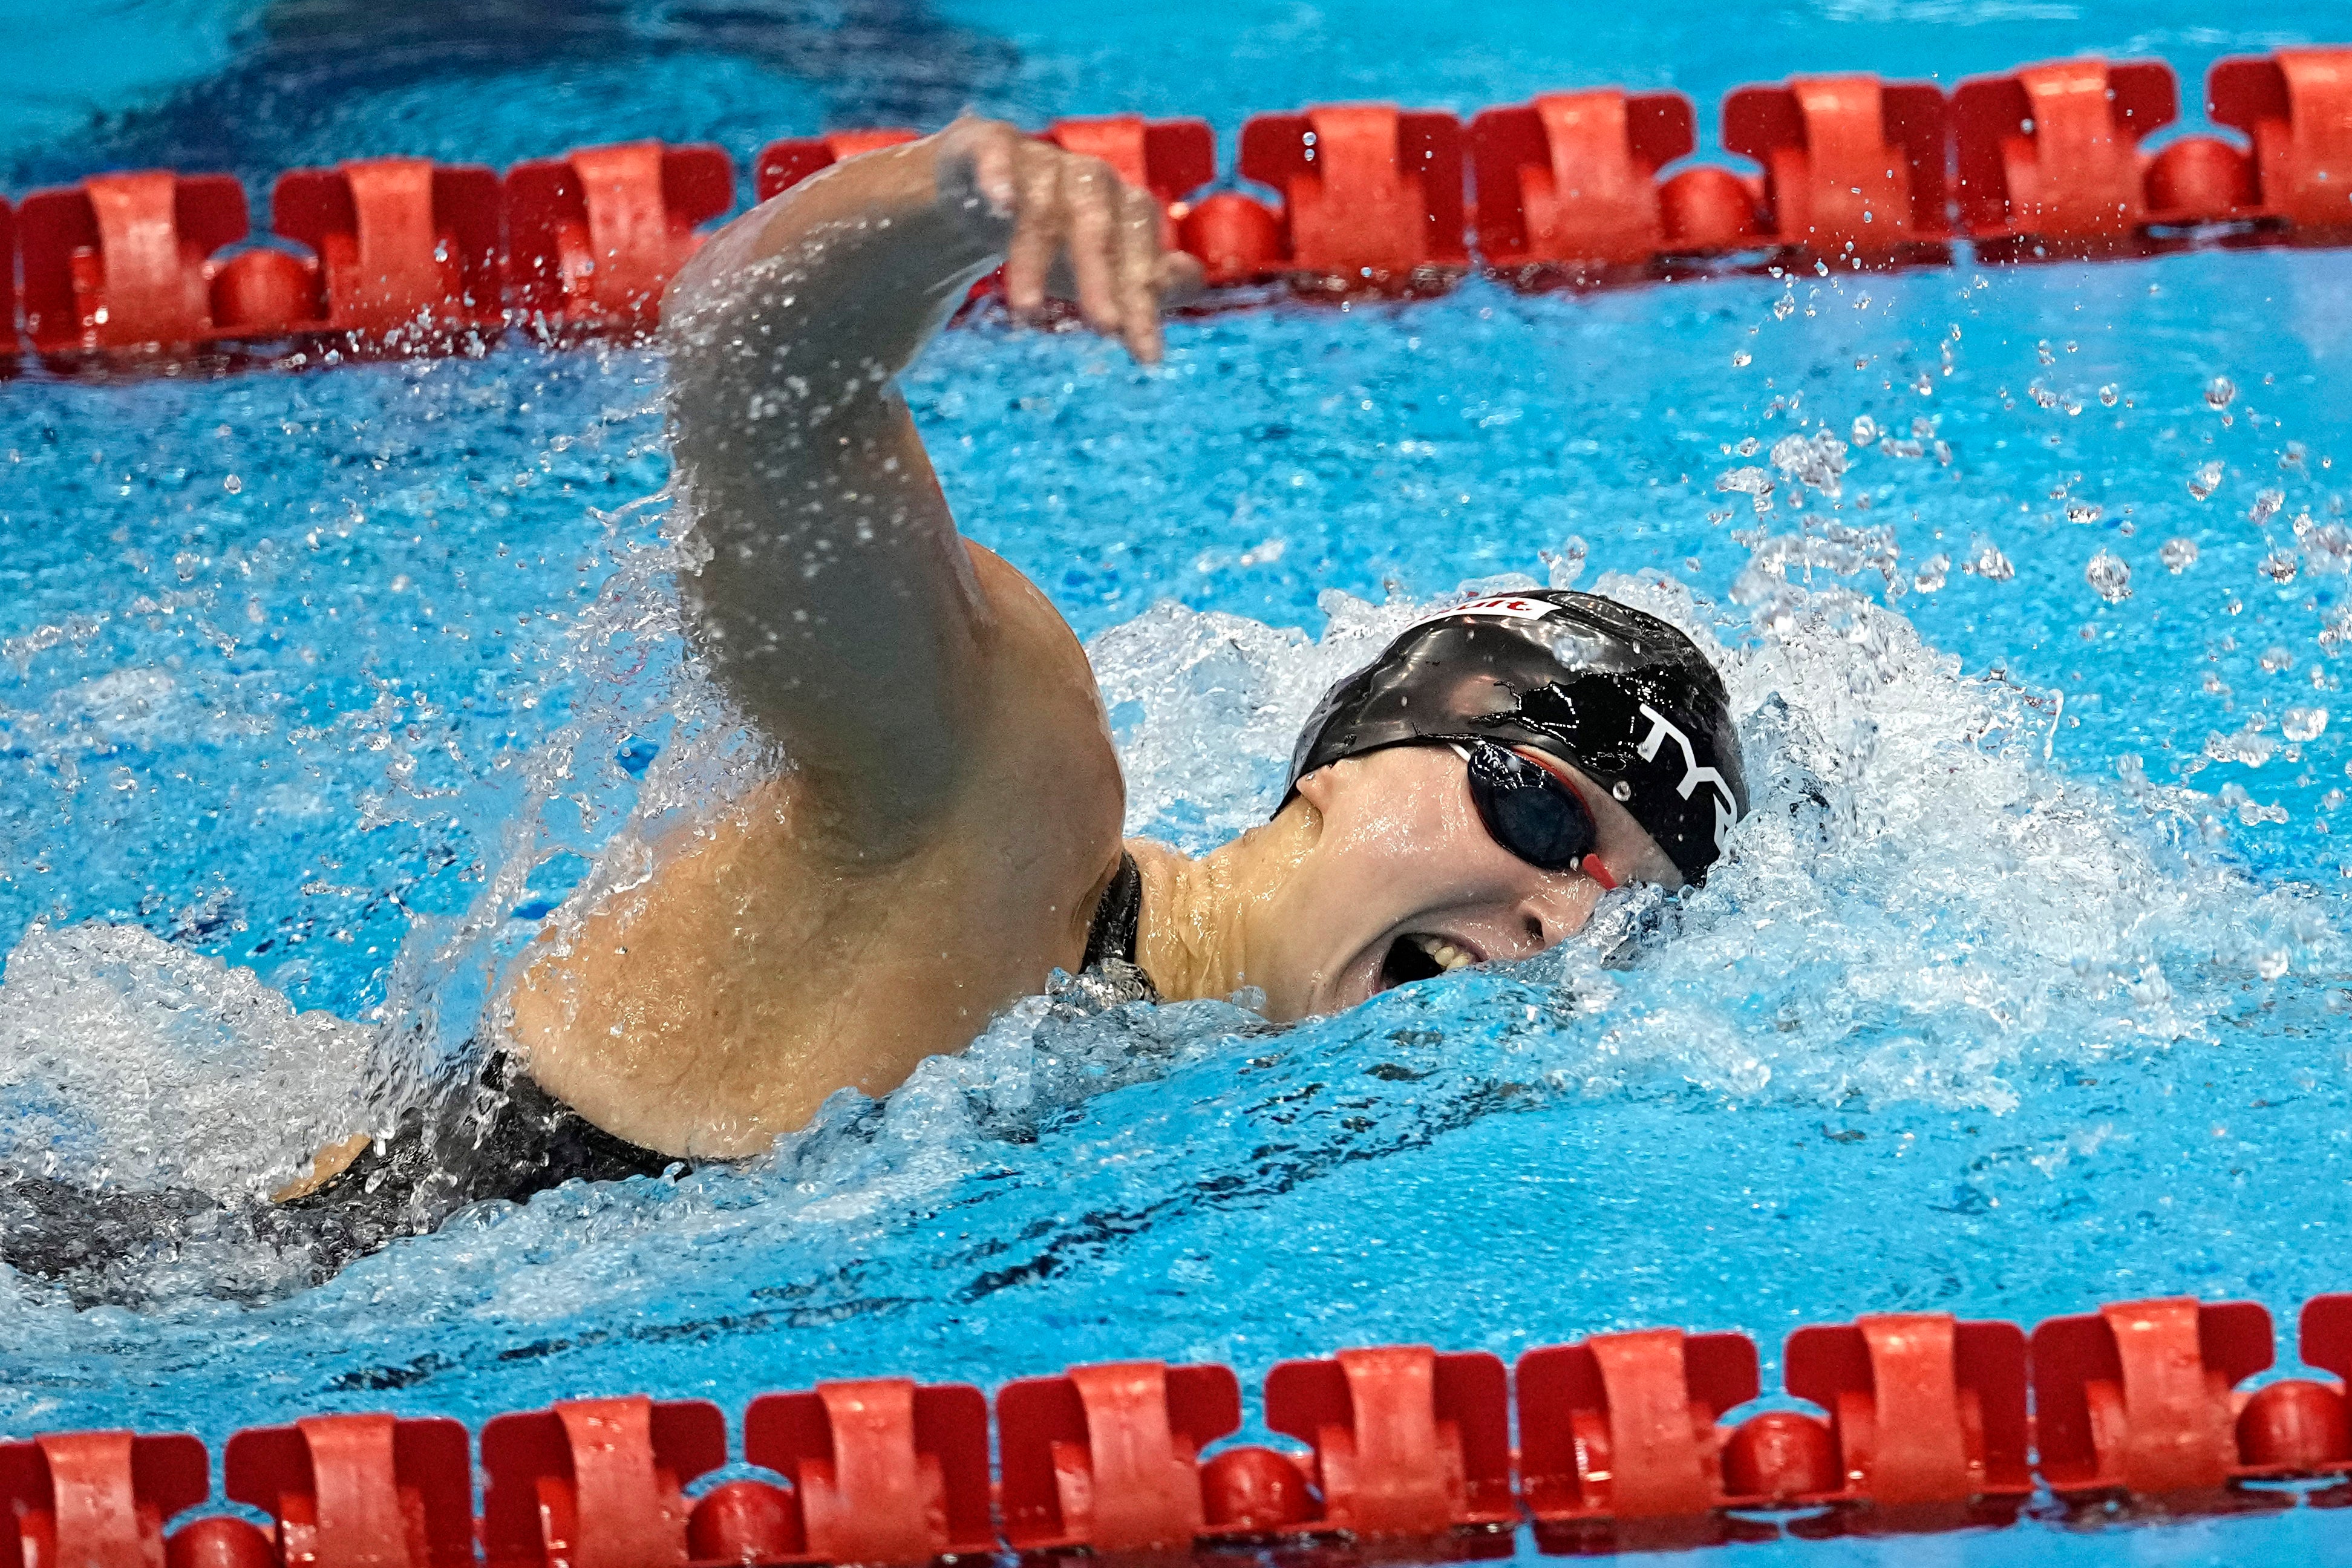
[(1553, 914)]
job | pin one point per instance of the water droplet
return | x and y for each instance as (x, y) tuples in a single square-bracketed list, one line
[(2109, 577), (2279, 566), (2301, 724), (1865, 430), (1784, 307), (1932, 573), (2084, 511), (2205, 481), (2218, 392), (2179, 554), (2265, 507), (1989, 562), (1566, 564), (1742, 359), (2108, 395)]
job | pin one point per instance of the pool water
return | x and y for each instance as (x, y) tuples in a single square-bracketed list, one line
[(2025, 988)]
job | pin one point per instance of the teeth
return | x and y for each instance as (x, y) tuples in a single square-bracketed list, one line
[(1443, 954)]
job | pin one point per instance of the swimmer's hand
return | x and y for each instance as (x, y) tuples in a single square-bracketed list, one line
[(1078, 232)]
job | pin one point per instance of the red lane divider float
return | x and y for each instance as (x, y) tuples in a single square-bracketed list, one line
[(594, 238), (1569, 183), (1371, 194), (402, 246), (397, 254), (2297, 107), (1853, 167), (123, 261), (1916, 1421)]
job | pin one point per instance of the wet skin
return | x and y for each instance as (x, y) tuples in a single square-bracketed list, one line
[(944, 810)]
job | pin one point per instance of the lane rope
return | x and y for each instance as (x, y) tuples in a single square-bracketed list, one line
[(1917, 1422), (401, 255)]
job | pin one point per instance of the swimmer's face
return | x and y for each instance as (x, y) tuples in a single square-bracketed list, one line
[(1405, 881)]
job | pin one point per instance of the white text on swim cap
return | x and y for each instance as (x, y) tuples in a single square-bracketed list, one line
[(1694, 775)]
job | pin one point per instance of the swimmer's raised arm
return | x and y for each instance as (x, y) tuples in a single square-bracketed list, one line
[(837, 603)]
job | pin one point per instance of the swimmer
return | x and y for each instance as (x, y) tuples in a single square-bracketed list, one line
[(939, 830)]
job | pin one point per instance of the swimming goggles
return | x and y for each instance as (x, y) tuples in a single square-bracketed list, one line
[(1532, 812)]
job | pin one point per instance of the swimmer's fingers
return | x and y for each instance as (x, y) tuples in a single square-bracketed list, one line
[(1038, 224), (1140, 274), (1091, 195)]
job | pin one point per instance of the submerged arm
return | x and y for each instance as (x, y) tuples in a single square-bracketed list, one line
[(835, 602)]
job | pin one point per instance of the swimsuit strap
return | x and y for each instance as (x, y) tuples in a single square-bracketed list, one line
[(1117, 917)]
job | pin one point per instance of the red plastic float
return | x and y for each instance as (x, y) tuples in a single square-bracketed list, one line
[(1168, 158), (1371, 194), (883, 1470), (785, 163), (124, 261), (594, 1483), (1923, 1409), (2136, 1398), (594, 238), (1407, 1441), (99, 1500), (1571, 180), (1107, 1457), (408, 251), (1853, 167), (2296, 105), (2049, 155), (1623, 1426), (2298, 1426), (359, 1491)]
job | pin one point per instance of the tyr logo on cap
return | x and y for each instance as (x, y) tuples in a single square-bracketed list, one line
[(1694, 775)]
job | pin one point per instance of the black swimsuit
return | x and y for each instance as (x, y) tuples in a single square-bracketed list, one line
[(501, 1136)]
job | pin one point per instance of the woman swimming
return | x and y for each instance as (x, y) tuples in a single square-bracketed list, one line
[(939, 831)]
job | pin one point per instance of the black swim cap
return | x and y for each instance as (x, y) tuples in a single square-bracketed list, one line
[(1619, 694)]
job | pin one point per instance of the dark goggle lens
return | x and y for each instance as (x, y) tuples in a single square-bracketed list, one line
[(1528, 810)]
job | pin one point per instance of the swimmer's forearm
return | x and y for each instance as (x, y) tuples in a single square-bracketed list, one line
[(837, 604), (834, 600), (838, 283)]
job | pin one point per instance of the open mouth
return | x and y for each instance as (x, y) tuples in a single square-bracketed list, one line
[(1414, 956)]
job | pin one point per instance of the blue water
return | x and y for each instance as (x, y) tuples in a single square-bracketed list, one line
[(319, 690)]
